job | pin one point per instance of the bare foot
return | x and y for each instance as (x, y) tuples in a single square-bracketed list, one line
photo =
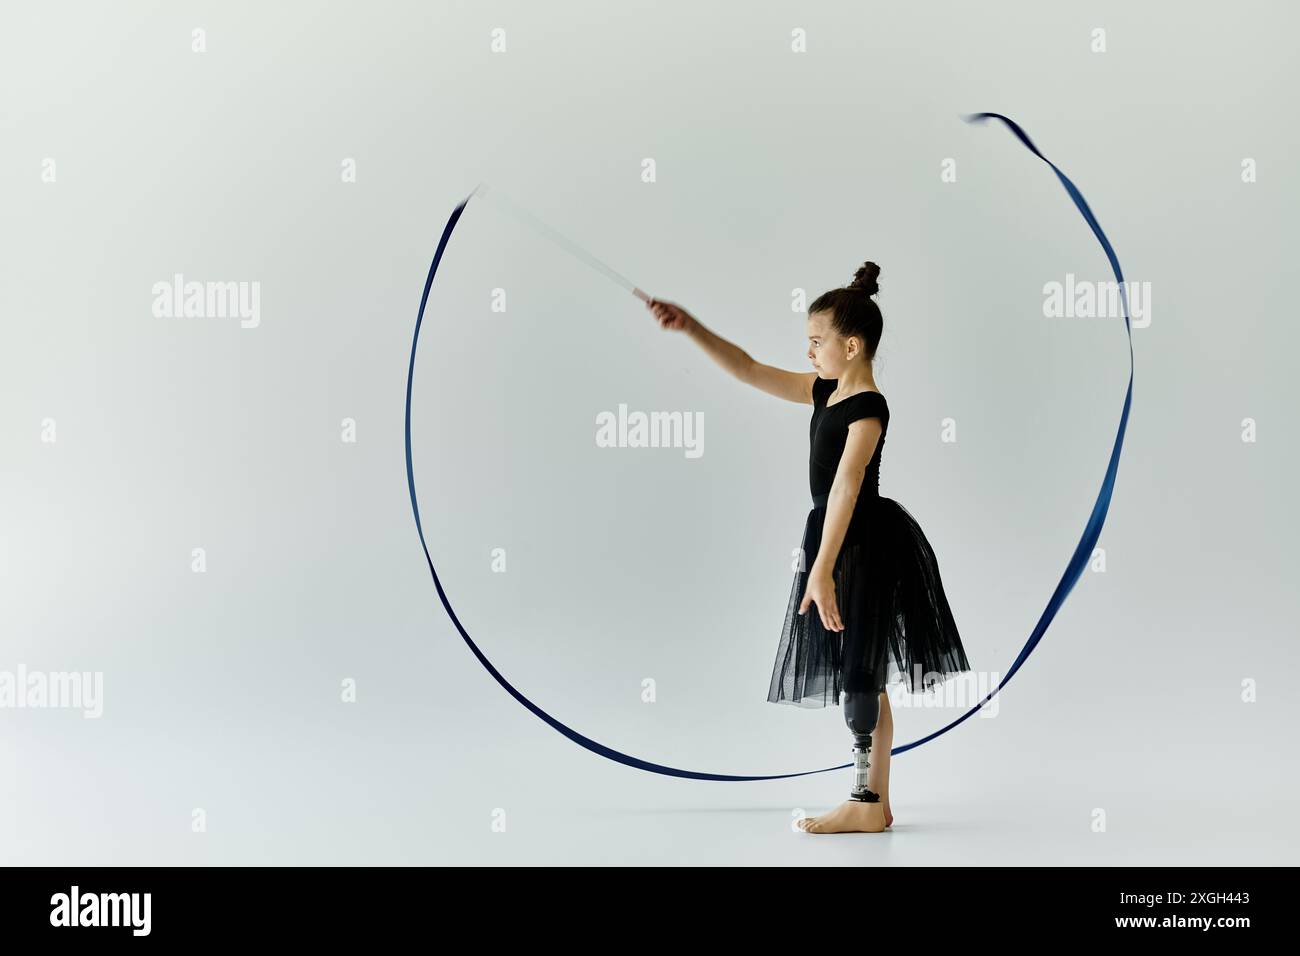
[(851, 816)]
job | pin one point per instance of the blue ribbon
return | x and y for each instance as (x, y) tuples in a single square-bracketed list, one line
[(1078, 561)]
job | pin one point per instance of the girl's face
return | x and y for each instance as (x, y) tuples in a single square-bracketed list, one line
[(829, 353)]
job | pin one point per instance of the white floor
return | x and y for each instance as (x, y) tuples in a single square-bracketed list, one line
[(294, 793)]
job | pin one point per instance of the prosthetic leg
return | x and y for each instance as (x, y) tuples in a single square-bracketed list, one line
[(862, 712)]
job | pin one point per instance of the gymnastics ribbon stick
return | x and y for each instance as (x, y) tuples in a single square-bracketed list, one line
[(483, 191)]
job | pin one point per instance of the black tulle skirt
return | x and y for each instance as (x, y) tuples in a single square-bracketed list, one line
[(897, 622)]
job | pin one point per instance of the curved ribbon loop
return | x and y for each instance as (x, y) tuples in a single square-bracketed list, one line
[(1092, 529), (1077, 562)]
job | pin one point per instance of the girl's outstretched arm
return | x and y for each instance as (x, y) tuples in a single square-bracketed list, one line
[(792, 386)]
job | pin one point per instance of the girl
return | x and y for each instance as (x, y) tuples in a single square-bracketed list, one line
[(879, 610)]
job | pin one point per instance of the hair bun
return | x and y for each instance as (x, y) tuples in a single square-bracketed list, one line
[(865, 278)]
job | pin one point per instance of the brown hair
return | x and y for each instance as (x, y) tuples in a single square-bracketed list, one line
[(853, 311)]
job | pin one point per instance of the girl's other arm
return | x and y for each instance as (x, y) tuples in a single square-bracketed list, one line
[(859, 446)]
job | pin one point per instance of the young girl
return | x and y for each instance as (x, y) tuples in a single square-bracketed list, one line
[(871, 610)]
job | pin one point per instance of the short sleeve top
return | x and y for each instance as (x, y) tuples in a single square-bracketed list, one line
[(829, 430)]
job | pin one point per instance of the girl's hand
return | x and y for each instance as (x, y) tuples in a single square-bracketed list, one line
[(820, 590), (670, 316)]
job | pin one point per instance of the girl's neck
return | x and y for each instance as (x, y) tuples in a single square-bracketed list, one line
[(851, 384)]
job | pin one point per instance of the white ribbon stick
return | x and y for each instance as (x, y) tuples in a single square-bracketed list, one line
[(568, 245)]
